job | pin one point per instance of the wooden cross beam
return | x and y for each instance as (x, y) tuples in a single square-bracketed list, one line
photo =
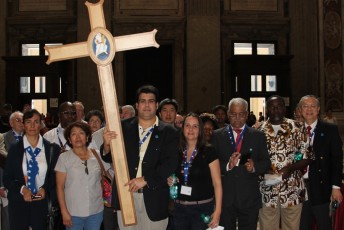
[(101, 47)]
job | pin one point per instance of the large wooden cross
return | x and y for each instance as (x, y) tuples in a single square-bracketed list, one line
[(101, 47)]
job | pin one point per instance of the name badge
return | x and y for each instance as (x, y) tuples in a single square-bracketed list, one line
[(185, 190)]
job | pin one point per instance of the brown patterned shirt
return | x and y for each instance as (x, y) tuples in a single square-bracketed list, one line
[(290, 139)]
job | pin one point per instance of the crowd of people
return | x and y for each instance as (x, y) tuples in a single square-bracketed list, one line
[(230, 169)]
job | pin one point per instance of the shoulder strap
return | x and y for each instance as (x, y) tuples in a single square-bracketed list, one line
[(104, 172), (51, 152), (51, 148)]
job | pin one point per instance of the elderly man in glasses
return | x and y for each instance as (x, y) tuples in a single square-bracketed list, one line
[(9, 138), (15, 134), (324, 175), (67, 115)]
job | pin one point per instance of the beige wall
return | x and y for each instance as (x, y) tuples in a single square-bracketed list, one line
[(203, 62), (304, 46)]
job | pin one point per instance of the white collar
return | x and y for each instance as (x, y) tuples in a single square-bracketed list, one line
[(313, 125), (27, 144), (242, 128), (156, 123)]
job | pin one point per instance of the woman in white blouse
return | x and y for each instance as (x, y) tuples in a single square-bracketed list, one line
[(29, 176), (78, 181)]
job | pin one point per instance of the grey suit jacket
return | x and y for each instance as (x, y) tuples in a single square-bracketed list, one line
[(241, 188), (9, 139)]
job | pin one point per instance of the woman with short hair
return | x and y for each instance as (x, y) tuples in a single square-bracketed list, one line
[(78, 181), (29, 175), (95, 119)]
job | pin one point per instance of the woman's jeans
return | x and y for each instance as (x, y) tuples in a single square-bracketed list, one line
[(91, 222)]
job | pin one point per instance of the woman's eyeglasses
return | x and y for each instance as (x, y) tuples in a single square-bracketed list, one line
[(86, 169)]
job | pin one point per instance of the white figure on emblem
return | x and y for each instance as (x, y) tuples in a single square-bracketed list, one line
[(100, 41)]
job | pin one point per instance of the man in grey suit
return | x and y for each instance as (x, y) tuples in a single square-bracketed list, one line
[(243, 157), (6, 140), (17, 127), (3, 191)]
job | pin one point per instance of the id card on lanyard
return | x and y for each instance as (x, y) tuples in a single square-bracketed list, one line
[(185, 189)]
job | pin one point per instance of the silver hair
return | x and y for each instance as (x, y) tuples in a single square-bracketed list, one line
[(238, 101), (79, 103), (309, 96), (130, 107), (15, 113)]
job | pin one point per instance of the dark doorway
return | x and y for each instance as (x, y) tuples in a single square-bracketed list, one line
[(254, 77), (149, 66), (29, 79)]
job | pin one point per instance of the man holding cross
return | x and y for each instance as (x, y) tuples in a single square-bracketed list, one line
[(107, 87), (151, 152)]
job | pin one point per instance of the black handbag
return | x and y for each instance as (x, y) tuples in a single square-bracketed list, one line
[(54, 217)]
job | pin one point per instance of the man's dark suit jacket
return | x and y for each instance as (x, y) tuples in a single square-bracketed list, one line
[(241, 188), (13, 174), (326, 169), (9, 139), (158, 164)]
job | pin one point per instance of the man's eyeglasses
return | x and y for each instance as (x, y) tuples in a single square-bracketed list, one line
[(86, 169), (72, 113), (18, 120), (309, 106)]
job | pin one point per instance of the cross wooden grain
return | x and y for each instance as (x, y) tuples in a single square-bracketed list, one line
[(101, 47)]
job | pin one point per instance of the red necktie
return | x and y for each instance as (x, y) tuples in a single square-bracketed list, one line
[(238, 145)]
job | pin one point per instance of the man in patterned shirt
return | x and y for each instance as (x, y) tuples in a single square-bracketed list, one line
[(288, 152)]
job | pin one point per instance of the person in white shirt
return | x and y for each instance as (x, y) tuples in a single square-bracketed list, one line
[(67, 115), (78, 181), (29, 176)]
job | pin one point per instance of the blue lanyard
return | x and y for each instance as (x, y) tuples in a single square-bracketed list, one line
[(63, 146), (232, 139), (310, 143), (187, 164), (146, 136)]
